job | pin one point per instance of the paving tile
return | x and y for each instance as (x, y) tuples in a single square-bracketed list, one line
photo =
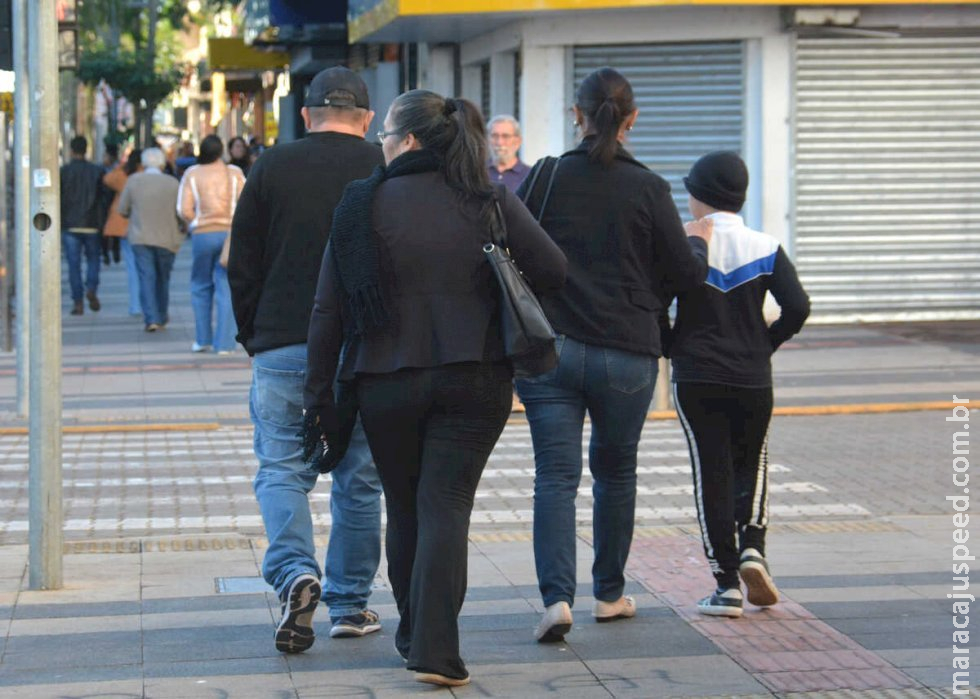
[(392, 683), (895, 633), (72, 687), (240, 686), (218, 642), (83, 650), (66, 627), (864, 580), (222, 617), (885, 609), (870, 593), (639, 637), (918, 657), (76, 610), (274, 664), (210, 602)]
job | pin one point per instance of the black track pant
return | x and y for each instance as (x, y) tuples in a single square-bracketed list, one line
[(727, 432)]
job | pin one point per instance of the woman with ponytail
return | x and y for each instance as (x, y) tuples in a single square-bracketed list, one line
[(627, 254), (405, 318)]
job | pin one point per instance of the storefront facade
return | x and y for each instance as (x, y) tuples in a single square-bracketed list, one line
[(858, 124)]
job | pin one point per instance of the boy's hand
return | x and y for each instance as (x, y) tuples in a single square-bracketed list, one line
[(701, 228)]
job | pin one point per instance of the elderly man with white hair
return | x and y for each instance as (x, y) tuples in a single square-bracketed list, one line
[(505, 167), (149, 201)]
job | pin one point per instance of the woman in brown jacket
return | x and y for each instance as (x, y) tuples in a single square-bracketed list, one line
[(116, 225)]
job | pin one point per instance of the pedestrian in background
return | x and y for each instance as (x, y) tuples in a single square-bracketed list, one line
[(617, 223), (278, 237), (238, 154), (208, 195), (149, 201), (110, 237), (720, 352), (185, 158), (505, 141), (82, 214), (406, 306), (116, 225)]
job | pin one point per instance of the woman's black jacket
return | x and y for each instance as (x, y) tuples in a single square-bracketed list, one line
[(626, 248)]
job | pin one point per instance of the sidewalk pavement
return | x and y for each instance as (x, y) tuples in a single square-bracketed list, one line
[(166, 614), (189, 617)]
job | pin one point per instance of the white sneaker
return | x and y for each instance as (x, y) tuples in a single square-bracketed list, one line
[(200, 348), (623, 608), (555, 623), (754, 572)]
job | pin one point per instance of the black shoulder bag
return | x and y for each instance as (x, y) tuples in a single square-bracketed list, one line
[(529, 340)]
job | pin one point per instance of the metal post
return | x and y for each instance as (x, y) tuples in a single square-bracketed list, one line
[(46, 516), (22, 200), (6, 327)]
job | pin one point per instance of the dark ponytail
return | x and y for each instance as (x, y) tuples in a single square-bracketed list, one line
[(452, 129), (605, 97)]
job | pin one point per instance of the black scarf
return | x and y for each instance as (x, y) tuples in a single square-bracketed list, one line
[(355, 244)]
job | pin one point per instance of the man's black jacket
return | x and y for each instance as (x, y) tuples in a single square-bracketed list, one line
[(82, 195), (280, 231)]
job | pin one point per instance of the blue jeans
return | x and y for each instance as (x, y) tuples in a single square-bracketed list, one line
[(153, 264), (209, 289), (132, 276), (74, 244), (283, 483), (615, 388)]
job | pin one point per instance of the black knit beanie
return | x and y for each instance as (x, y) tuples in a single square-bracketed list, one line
[(719, 180)]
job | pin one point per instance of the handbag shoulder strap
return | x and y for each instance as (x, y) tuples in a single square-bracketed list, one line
[(547, 166), (498, 225)]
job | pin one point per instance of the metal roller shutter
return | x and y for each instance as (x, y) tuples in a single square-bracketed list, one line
[(887, 176), (690, 98)]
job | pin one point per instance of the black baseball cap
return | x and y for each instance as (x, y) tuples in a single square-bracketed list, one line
[(337, 87)]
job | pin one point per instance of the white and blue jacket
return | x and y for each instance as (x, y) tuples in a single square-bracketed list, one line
[(721, 335)]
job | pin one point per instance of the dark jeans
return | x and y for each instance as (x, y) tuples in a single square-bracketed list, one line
[(153, 264), (75, 244), (431, 432), (110, 243), (727, 430), (615, 387)]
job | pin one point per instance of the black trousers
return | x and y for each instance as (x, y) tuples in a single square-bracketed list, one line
[(727, 431), (431, 432)]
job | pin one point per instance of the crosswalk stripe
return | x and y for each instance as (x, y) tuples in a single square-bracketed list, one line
[(98, 480), (483, 494), (582, 516)]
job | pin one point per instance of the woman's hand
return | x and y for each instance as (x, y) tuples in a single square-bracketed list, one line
[(701, 228)]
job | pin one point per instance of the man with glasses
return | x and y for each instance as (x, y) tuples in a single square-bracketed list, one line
[(278, 236), (505, 140)]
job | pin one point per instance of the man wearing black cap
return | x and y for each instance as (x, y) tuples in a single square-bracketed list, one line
[(720, 354), (278, 237)]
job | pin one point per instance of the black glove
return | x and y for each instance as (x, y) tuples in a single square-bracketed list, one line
[(318, 434)]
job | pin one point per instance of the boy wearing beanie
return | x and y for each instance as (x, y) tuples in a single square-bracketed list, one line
[(720, 353)]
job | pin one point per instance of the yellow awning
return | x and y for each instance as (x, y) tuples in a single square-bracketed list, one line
[(370, 16), (234, 54)]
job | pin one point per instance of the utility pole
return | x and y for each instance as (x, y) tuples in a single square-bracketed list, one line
[(46, 516), (22, 200), (6, 332)]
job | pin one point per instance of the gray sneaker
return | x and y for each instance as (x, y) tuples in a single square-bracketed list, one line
[(295, 631), (356, 625), (722, 603), (754, 572)]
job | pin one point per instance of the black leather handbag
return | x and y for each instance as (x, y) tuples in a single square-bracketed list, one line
[(529, 340)]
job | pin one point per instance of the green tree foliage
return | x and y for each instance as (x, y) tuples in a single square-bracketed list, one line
[(121, 42)]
